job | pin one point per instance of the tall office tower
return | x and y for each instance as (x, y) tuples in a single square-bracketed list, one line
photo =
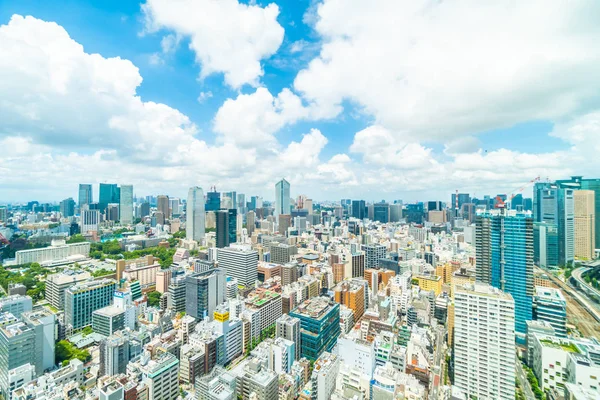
[(84, 298), (67, 207), (195, 214), (213, 200), (374, 253), (162, 205), (282, 197), (395, 212), (434, 206), (252, 203), (381, 212), (222, 230), (204, 292), (517, 203), (585, 222), (144, 209), (16, 304), (3, 214), (504, 258), (358, 264), (57, 284), (240, 264), (358, 209), (112, 212), (284, 223), (484, 342), (89, 221), (175, 206), (457, 202), (162, 377), (289, 328), (17, 348), (43, 324), (545, 244), (85, 194), (578, 182), (308, 206), (550, 305), (109, 193), (241, 202), (319, 326), (281, 253), (232, 224), (177, 294), (126, 204), (351, 294), (554, 205), (250, 221)]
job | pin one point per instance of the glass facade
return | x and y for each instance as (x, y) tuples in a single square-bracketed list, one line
[(318, 333)]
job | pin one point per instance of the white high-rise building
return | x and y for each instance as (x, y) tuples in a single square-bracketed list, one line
[(89, 221), (282, 197), (126, 204), (195, 214), (239, 263), (484, 334)]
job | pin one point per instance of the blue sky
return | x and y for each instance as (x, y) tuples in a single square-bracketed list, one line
[(512, 114)]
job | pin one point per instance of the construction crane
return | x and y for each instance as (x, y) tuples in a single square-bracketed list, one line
[(500, 203)]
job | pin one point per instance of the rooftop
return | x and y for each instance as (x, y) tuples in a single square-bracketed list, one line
[(317, 307), (560, 344)]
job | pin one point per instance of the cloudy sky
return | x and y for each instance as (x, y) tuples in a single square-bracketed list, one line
[(384, 99)]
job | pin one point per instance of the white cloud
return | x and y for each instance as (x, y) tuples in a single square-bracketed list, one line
[(204, 96), (253, 119), (436, 70), (227, 37), (304, 154)]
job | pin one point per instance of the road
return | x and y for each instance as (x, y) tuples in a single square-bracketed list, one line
[(580, 311), (438, 363), (522, 377), (577, 275)]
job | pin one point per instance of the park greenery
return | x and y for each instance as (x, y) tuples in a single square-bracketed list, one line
[(65, 351), (28, 275), (154, 298), (112, 249)]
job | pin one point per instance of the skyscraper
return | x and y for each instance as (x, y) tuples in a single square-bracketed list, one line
[(126, 204), (232, 225), (578, 182), (381, 212), (162, 205), (585, 221), (85, 194), (204, 292), (222, 228), (67, 207), (554, 205), (195, 214), (213, 201), (484, 342), (109, 193), (358, 209), (282, 197), (504, 254), (240, 264)]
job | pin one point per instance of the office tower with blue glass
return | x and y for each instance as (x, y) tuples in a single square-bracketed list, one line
[(358, 209), (213, 200), (109, 194), (282, 197), (126, 204), (319, 326), (195, 214), (504, 253), (85, 194)]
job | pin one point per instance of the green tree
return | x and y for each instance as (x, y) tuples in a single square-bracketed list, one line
[(66, 351), (77, 238), (154, 298)]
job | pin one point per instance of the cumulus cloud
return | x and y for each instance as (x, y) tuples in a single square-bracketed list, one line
[(227, 36), (437, 70)]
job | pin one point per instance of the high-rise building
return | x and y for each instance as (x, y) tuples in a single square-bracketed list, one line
[(281, 252), (85, 194), (358, 264), (358, 209), (162, 377), (240, 264), (84, 298), (289, 328), (222, 228), (484, 342), (578, 182), (204, 292), (585, 223), (545, 244), (381, 212), (232, 225), (89, 221), (162, 206), (16, 304), (43, 324), (144, 209), (195, 214), (554, 205), (57, 284), (213, 201), (67, 207), (109, 194), (282, 198), (319, 326), (504, 258), (250, 221), (126, 204), (374, 253), (550, 305), (17, 348), (284, 223), (351, 294)]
